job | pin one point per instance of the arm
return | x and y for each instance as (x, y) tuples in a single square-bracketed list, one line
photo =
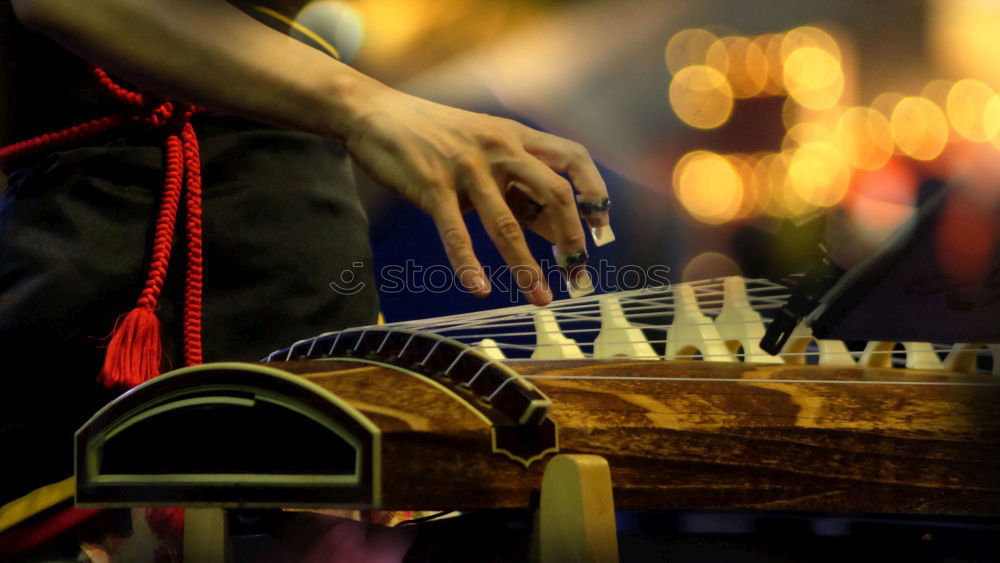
[(440, 158), (206, 52)]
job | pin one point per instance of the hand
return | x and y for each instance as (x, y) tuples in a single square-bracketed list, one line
[(445, 160)]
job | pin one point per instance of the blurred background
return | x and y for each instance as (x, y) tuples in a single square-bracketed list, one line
[(731, 133)]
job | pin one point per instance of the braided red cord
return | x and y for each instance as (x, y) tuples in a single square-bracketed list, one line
[(134, 351), (120, 93), (193, 274), (166, 221), (72, 135)]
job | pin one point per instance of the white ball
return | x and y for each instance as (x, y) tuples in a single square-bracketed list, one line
[(338, 23)]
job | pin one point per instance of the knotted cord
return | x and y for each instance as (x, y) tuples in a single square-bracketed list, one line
[(134, 352)]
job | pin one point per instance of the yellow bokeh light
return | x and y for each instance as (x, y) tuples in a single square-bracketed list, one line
[(991, 120), (813, 77), (966, 108), (817, 174), (937, 91), (770, 45), (865, 138), (717, 57), (791, 113), (806, 132), (690, 47), (885, 102), (744, 166), (701, 97), (765, 202), (748, 66), (775, 195), (709, 188), (919, 128), (709, 265), (809, 36), (785, 190), (682, 164)]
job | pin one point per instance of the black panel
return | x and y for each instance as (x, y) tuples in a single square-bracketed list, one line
[(227, 438)]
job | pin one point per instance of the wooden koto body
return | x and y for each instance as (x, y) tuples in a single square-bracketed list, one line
[(704, 435), (677, 435)]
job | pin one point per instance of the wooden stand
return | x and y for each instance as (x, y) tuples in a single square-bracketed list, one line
[(576, 519), (206, 536)]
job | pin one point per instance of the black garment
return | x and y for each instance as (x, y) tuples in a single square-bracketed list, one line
[(281, 222), (42, 87)]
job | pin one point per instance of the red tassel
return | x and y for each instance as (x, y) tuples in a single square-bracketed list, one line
[(134, 353)]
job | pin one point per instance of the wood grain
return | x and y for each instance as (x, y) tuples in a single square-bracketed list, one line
[(685, 435)]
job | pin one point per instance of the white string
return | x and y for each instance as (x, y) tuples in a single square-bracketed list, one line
[(704, 290), (764, 380), (637, 305)]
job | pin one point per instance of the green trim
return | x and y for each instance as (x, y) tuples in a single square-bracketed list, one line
[(376, 454), (119, 428), (289, 479)]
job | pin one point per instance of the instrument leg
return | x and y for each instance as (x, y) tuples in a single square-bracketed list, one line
[(576, 517), (205, 535)]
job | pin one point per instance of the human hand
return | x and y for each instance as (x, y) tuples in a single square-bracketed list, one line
[(446, 160)]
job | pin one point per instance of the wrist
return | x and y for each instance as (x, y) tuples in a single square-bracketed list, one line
[(348, 100)]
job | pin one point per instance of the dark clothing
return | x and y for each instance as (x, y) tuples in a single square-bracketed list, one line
[(281, 222), (44, 88)]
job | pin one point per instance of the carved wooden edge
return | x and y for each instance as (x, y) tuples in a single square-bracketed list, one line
[(516, 410)]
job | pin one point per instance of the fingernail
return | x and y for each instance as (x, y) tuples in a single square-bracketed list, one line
[(539, 294), (476, 283), (582, 284), (595, 212), (602, 235), (574, 270)]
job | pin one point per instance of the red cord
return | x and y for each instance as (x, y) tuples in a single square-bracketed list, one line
[(193, 273), (134, 352)]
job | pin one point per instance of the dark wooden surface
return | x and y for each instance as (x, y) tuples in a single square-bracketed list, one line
[(702, 435)]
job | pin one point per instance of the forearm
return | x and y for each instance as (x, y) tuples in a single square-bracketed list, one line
[(209, 53)]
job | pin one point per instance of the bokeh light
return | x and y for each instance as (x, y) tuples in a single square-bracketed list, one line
[(885, 102), (770, 45), (775, 196), (709, 265), (936, 91), (785, 190), (701, 97), (765, 201), (991, 120), (966, 108), (808, 36), (748, 66), (806, 132), (791, 113), (690, 47), (813, 77), (709, 187), (817, 174), (744, 166), (919, 128), (882, 199), (865, 138)]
